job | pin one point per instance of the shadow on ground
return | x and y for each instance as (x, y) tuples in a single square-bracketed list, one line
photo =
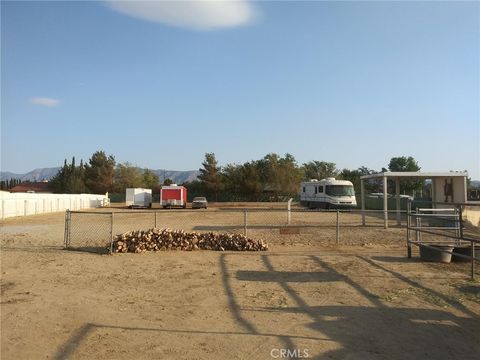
[(374, 331)]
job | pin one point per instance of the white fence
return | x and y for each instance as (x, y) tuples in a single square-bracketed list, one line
[(22, 204)]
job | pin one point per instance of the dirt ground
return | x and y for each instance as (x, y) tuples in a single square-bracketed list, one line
[(304, 298)]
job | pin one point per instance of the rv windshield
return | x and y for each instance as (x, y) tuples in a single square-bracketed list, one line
[(339, 190)]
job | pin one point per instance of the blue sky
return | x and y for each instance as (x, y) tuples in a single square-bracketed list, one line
[(351, 83)]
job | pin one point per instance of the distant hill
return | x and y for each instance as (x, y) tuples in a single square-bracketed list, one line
[(40, 174), (475, 183), (34, 175), (178, 177)]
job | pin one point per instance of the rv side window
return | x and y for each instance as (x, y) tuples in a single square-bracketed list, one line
[(320, 189), (304, 189), (315, 189)]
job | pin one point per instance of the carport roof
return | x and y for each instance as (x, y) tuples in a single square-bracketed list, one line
[(414, 174)]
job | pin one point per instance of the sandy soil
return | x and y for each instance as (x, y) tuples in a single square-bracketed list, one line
[(362, 299)]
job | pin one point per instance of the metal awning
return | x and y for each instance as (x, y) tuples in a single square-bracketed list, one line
[(414, 174), (398, 176)]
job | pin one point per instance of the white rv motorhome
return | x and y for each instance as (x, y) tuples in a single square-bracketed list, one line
[(327, 193)]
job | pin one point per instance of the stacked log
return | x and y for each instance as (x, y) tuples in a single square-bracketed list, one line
[(167, 239)]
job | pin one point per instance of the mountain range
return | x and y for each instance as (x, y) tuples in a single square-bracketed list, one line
[(178, 177)]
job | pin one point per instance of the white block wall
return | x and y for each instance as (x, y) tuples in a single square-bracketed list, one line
[(23, 204)]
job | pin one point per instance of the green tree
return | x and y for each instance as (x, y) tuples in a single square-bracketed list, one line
[(10, 183), (280, 176), (319, 170), (150, 179), (371, 186), (70, 179), (100, 173), (289, 176), (57, 183), (194, 188), (127, 176), (232, 179), (252, 186), (167, 182), (268, 169), (242, 182), (76, 183), (210, 176), (353, 176), (404, 164)]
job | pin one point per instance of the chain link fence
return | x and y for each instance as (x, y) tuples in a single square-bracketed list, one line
[(95, 230)]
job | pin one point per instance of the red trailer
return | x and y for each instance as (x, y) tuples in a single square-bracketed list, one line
[(173, 195)]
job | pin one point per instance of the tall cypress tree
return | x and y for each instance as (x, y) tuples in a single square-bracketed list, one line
[(70, 179), (210, 177)]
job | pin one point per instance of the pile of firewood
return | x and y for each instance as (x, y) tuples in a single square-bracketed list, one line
[(167, 239)]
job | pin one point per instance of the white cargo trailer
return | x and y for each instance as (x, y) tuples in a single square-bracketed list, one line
[(138, 197), (327, 193)]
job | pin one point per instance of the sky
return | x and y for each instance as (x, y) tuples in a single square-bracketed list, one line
[(159, 84)]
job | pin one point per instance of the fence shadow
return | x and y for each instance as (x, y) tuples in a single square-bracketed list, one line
[(259, 227), (452, 302), (415, 333), (396, 259), (32, 248), (373, 331), (90, 249)]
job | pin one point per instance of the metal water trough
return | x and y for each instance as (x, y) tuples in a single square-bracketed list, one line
[(436, 252), (467, 251)]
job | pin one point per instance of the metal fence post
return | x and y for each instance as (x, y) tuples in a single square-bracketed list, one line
[(472, 253), (362, 191), (472, 243), (112, 221), (155, 219), (460, 221), (69, 237), (65, 235), (409, 224), (289, 214), (338, 226), (245, 222), (417, 236)]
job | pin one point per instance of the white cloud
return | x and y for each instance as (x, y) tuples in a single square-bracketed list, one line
[(43, 101), (198, 15)]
